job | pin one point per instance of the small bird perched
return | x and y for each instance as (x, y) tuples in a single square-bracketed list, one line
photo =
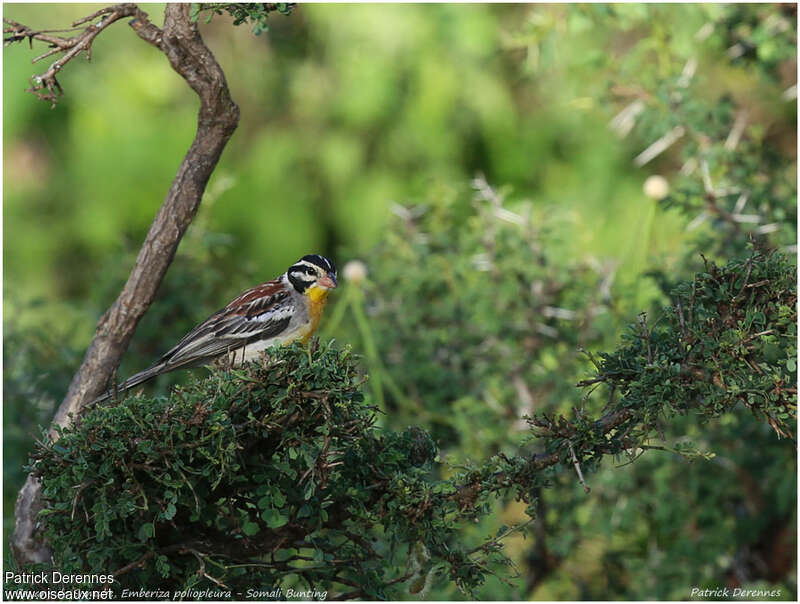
[(276, 312)]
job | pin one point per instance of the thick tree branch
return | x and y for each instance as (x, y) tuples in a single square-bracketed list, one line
[(217, 119)]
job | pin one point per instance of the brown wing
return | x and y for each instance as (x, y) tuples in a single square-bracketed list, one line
[(257, 314)]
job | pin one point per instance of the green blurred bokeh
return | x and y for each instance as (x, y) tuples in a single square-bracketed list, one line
[(345, 110)]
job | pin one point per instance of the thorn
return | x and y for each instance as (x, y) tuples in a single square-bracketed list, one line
[(586, 489)]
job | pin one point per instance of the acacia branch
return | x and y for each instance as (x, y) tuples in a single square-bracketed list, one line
[(45, 85), (217, 119), (467, 493)]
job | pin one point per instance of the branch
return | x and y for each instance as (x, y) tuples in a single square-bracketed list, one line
[(217, 119), (45, 85)]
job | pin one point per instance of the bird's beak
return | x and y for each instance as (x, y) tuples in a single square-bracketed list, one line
[(328, 281)]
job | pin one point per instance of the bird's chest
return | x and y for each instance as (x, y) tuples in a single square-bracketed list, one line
[(317, 298)]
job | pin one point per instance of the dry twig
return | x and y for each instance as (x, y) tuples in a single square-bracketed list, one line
[(46, 85)]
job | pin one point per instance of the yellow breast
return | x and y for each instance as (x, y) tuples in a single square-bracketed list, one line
[(317, 298)]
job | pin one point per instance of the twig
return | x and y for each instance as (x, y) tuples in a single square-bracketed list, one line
[(103, 11), (586, 396), (498, 539), (679, 308), (202, 570), (80, 490), (756, 335), (586, 489), (646, 336), (135, 564), (590, 381), (659, 146), (363, 543), (632, 457), (71, 47), (753, 366), (746, 277), (736, 132)]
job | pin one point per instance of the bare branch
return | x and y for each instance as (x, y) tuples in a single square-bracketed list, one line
[(45, 85), (217, 119)]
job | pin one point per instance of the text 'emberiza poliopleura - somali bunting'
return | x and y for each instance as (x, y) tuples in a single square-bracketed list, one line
[(276, 312)]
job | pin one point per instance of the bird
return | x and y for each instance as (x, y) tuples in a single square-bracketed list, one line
[(279, 311)]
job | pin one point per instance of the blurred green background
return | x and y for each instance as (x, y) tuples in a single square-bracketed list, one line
[(349, 111)]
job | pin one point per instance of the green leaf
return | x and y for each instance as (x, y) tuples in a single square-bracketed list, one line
[(250, 528), (162, 566), (169, 513), (146, 531), (274, 518)]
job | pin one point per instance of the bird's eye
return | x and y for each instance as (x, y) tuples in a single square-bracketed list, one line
[(310, 271)]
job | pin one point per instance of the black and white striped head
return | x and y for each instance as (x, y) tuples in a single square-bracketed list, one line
[(312, 270)]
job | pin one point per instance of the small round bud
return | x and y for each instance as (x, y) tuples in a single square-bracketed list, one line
[(656, 187), (355, 271)]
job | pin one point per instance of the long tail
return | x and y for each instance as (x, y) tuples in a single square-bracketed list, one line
[(133, 381)]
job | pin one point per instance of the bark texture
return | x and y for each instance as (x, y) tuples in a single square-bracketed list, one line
[(218, 117)]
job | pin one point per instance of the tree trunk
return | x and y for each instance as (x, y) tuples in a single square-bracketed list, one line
[(217, 119)]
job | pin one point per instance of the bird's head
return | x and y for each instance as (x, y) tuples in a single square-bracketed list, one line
[(313, 275)]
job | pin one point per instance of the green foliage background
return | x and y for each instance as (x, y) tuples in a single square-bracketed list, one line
[(349, 111)]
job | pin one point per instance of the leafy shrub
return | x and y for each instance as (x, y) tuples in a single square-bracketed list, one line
[(276, 474), (471, 311), (279, 459)]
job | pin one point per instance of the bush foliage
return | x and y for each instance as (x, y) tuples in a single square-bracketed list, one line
[(502, 309), (276, 474)]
